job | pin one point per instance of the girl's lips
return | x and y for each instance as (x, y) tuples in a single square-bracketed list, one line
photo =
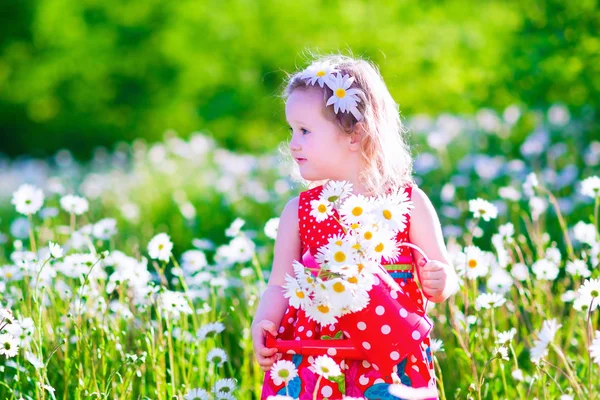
[(300, 160)]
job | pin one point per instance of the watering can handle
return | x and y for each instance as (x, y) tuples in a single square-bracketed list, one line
[(422, 253)]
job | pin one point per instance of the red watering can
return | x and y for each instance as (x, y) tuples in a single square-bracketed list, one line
[(383, 333)]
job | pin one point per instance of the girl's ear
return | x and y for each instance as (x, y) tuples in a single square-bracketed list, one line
[(356, 136)]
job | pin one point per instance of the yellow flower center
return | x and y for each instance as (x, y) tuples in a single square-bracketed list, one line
[(309, 279), (472, 263), (353, 279), (160, 246), (356, 246), (379, 247), (321, 73), (339, 256), (387, 214), (356, 211), (325, 369), (300, 294), (284, 373), (338, 242), (360, 267), (340, 93), (322, 208), (323, 308), (339, 287), (368, 235), (354, 226)]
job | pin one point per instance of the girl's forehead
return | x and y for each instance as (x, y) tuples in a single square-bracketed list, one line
[(304, 103)]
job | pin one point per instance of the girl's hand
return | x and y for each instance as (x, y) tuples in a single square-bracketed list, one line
[(265, 357), (434, 279)]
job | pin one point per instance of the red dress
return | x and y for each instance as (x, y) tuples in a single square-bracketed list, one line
[(361, 379)]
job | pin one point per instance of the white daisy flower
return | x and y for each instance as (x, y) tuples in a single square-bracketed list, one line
[(578, 268), (505, 338), (509, 193), (193, 261), (336, 190), (74, 204), (306, 280), (520, 272), (271, 228), (325, 367), (318, 72), (160, 247), (9, 345), (225, 386), (360, 300), (545, 270), (341, 255), (283, 371), (517, 375), (355, 209), (476, 262), (585, 233), (408, 392), (298, 297), (537, 205), (344, 98), (489, 300), (210, 329), (197, 394), (568, 296), (36, 362), (28, 199), (531, 182), (235, 227), (320, 209), (553, 254), (339, 293), (321, 312), (591, 187), (544, 337), (6, 314), (501, 352), (586, 304), (390, 211), (483, 209), (55, 250), (217, 356), (280, 397), (595, 348), (105, 228), (174, 303), (590, 291), (384, 247), (437, 345), (507, 232)]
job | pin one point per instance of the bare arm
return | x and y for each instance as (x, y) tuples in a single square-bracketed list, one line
[(426, 232), (272, 304)]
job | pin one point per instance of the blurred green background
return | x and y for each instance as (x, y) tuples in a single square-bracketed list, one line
[(79, 74)]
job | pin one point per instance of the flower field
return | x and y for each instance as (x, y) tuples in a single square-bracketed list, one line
[(135, 275)]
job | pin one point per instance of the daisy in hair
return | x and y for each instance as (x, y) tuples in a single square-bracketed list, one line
[(344, 98), (319, 73)]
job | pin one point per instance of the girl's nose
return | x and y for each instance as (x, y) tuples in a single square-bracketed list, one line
[(294, 145)]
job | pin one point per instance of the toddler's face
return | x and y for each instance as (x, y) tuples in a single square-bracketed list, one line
[(317, 144)]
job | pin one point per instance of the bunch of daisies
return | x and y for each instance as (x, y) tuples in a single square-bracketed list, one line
[(348, 261)]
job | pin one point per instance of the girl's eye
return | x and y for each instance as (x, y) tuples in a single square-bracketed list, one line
[(303, 131)]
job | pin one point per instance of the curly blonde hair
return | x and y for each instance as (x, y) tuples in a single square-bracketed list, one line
[(385, 153)]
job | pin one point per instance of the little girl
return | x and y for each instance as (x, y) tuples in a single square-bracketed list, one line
[(346, 127)]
